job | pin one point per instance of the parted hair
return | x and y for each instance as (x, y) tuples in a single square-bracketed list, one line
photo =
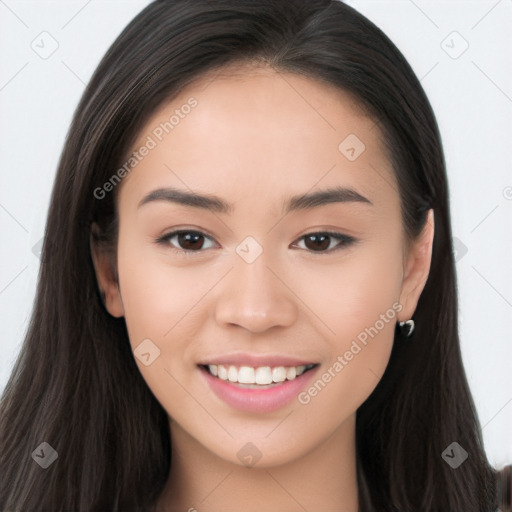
[(75, 384)]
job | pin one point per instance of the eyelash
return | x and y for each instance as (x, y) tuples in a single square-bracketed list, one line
[(345, 239)]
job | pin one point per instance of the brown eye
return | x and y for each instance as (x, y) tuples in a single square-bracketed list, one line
[(192, 241), (317, 242), (321, 242)]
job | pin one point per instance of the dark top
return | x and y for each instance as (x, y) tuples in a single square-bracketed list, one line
[(505, 489)]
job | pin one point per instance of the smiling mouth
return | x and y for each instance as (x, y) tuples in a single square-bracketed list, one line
[(256, 377)]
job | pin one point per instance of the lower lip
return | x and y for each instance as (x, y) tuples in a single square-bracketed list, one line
[(258, 400)]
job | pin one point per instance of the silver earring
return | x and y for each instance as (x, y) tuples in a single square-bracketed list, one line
[(407, 327)]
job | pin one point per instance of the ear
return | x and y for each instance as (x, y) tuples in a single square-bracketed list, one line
[(416, 269), (106, 275)]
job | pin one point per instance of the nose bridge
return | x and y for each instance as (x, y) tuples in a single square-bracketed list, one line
[(253, 295)]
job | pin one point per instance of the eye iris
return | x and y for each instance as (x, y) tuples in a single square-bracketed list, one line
[(319, 241), (189, 240)]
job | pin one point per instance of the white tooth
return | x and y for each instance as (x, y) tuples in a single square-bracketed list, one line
[(263, 375), (291, 373), (246, 375), (300, 369), (279, 374), (222, 372), (233, 374)]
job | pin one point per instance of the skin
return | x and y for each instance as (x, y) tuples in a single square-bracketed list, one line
[(256, 138)]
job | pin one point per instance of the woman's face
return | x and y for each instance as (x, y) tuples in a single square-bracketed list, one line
[(256, 284)]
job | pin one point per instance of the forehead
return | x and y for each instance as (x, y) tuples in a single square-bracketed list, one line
[(257, 131)]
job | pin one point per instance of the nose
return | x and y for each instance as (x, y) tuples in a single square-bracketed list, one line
[(256, 296)]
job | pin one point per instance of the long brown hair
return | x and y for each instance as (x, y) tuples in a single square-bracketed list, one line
[(75, 384)]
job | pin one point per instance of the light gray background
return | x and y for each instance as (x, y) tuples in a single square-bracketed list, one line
[(470, 91)]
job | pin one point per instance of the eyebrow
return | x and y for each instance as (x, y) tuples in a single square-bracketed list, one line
[(218, 205)]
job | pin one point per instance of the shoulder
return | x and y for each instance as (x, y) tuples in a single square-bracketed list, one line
[(505, 489)]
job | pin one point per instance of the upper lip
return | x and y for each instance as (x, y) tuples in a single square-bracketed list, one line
[(256, 360)]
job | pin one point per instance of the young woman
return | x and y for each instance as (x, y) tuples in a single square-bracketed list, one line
[(247, 296)]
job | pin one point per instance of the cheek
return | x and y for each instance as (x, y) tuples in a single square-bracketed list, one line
[(162, 302), (351, 294), (161, 305), (358, 354), (153, 293), (357, 303)]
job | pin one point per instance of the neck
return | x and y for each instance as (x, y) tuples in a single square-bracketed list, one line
[(323, 479)]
